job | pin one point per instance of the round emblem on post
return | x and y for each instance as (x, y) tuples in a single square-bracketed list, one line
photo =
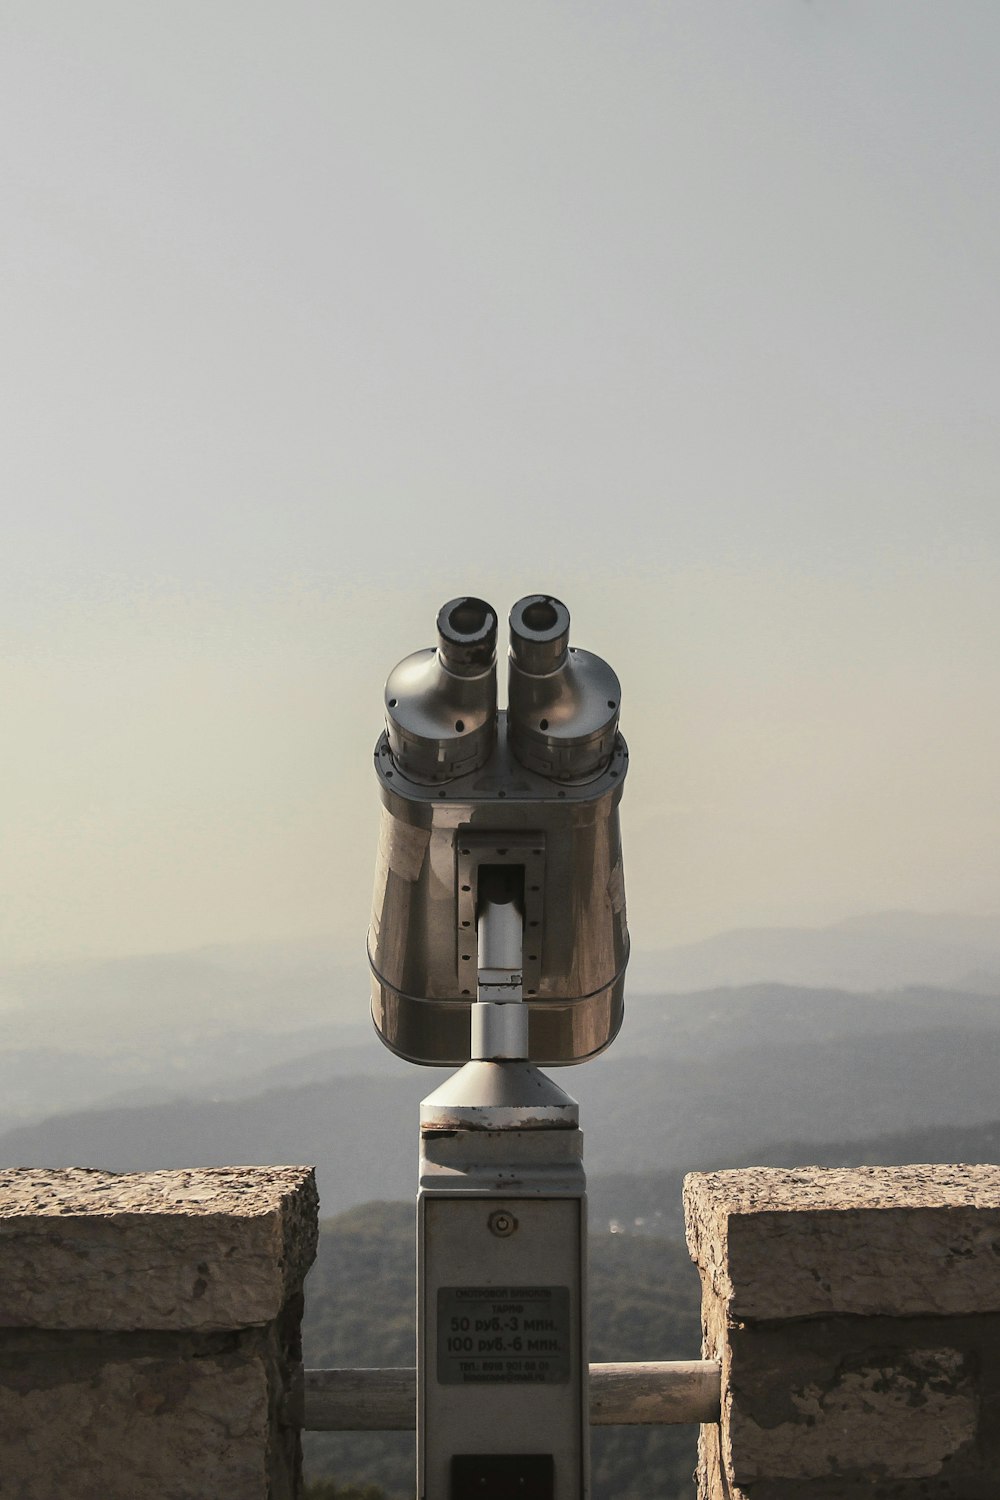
[(502, 1223)]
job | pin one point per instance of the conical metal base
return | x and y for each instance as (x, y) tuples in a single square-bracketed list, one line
[(499, 1096)]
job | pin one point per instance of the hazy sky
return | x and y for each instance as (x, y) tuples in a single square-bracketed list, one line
[(316, 315)]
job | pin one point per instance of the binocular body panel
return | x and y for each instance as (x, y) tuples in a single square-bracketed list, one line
[(562, 841)]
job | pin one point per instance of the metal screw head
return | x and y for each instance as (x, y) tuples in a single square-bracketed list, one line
[(502, 1223)]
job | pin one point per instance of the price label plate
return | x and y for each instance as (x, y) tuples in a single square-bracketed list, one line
[(514, 1335)]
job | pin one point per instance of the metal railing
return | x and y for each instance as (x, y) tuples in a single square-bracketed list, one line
[(671, 1393)]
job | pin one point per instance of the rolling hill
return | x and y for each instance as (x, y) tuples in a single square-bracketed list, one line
[(696, 1079)]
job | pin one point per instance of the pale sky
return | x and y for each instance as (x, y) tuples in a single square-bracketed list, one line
[(316, 315)]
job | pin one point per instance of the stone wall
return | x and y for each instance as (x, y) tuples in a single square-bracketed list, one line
[(149, 1332), (856, 1316)]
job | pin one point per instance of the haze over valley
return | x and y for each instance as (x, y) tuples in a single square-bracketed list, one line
[(267, 1054)]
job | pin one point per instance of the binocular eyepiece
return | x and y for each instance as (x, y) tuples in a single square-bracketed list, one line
[(441, 703), (471, 794)]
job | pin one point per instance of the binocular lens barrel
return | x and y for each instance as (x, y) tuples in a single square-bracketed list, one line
[(441, 703), (467, 636), (563, 703), (539, 634)]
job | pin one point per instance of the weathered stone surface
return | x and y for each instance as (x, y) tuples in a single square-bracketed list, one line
[(803, 1408), (914, 1240), (150, 1332), (208, 1248), (140, 1427), (856, 1317)]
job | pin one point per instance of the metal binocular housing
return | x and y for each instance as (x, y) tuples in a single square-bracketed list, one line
[(524, 800)]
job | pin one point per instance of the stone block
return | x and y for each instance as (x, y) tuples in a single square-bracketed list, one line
[(137, 1426), (203, 1249), (856, 1317), (150, 1332), (809, 1241)]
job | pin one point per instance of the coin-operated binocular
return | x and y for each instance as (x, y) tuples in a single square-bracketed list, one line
[(469, 792), (498, 940)]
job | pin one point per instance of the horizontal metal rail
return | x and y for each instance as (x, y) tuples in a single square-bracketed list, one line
[(626, 1395)]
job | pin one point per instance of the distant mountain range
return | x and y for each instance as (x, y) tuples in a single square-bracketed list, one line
[(233, 1020), (265, 1053), (77, 1034), (697, 1079), (882, 950)]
